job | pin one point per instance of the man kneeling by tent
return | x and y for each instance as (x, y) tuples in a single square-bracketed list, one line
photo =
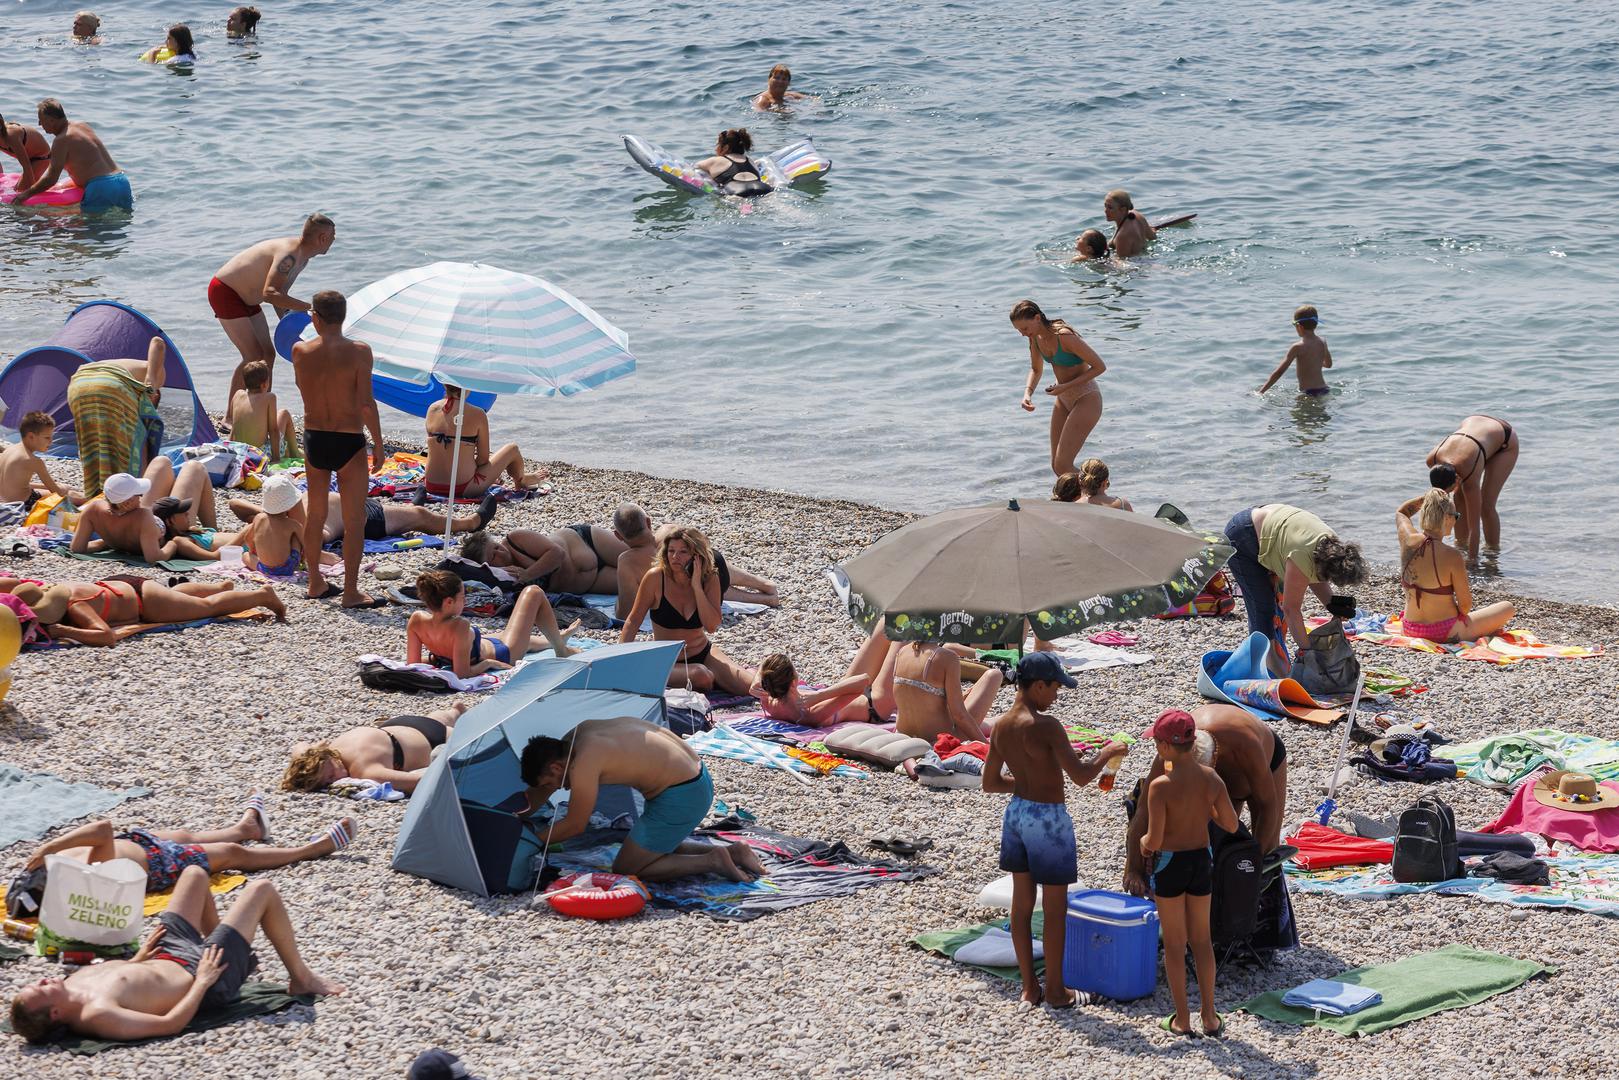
[(667, 772)]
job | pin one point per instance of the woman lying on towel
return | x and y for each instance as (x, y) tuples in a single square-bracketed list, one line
[(682, 595), (1438, 600), (107, 612), (396, 751)]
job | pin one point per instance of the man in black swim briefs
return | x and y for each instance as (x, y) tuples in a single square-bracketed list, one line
[(1249, 757), (334, 377)]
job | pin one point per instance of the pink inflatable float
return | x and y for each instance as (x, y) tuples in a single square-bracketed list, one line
[(65, 193)]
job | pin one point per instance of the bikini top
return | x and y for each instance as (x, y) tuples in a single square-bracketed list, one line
[(918, 684), (1410, 582), (734, 168), (669, 617), (448, 439), (1061, 358)]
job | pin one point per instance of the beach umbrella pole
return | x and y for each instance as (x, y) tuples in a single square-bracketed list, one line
[(455, 465), (1325, 809)]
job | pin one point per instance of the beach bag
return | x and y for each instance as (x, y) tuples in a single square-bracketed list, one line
[(55, 511), (686, 712), (382, 677), (1425, 843), (94, 903), (1327, 664), (1238, 881)]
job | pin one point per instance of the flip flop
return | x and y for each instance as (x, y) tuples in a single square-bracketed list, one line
[(255, 803), (1168, 1024), (1073, 1000), (339, 835), (374, 602), (20, 549), (332, 589), (1217, 1033)]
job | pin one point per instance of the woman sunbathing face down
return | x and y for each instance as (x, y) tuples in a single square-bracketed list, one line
[(314, 767)]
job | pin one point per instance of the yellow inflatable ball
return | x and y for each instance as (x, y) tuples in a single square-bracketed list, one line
[(10, 636), (5, 682)]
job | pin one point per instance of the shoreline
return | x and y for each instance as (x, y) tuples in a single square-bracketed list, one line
[(429, 966)]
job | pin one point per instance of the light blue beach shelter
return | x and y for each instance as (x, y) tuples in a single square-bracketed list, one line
[(461, 827)]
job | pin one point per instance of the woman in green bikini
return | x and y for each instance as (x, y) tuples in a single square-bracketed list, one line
[(1078, 403)]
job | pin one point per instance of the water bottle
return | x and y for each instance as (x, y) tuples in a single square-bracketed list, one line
[(1110, 771)]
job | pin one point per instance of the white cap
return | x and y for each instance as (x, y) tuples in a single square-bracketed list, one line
[(121, 487), (280, 494)]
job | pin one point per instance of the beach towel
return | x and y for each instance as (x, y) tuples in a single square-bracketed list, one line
[(1507, 647), (760, 726), (1242, 678), (115, 421), (390, 544), (1330, 996), (1588, 883), (949, 943), (609, 604), (1412, 987), (724, 742), (8, 954), (32, 804), (798, 870), (1502, 761), (219, 884), (1321, 847), (399, 470), (124, 558), (1381, 681), (1076, 654), (254, 999), (1588, 830)]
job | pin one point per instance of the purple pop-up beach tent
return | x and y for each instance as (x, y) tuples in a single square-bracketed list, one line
[(100, 330)]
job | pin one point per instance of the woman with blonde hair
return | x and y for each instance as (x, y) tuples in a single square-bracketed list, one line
[(1438, 599), (1088, 485), (682, 594), (1078, 404)]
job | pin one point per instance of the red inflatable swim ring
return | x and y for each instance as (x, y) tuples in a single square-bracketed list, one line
[(597, 896), (63, 194)]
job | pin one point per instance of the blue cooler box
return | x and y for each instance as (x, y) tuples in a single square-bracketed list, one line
[(1112, 945)]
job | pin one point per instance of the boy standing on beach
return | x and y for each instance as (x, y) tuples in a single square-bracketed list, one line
[(1309, 353), (1180, 805), (20, 464), (254, 418), (1037, 835)]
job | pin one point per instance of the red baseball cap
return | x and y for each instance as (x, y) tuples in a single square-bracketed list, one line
[(1173, 726)]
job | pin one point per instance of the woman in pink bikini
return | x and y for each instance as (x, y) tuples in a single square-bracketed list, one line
[(1438, 602)]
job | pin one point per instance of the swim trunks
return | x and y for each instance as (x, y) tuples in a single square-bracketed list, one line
[(228, 303), (1317, 391), (1037, 838), (183, 944), (331, 450), (284, 569), (165, 858), (1183, 873), (1278, 756), (110, 192), (376, 520), (670, 818)]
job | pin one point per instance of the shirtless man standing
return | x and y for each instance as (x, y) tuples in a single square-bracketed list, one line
[(263, 274), (658, 764), (193, 960), (77, 148), (334, 377), (1249, 758), (1131, 233)]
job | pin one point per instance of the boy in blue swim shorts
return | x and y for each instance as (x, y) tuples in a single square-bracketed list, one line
[(1037, 835), (1180, 805), (667, 773)]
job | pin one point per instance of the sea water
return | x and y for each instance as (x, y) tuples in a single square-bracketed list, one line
[(1437, 178)]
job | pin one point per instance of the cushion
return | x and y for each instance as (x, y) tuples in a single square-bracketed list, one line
[(934, 779), (888, 748)]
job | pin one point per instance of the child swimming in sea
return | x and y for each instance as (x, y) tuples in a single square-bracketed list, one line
[(1309, 356), (444, 638), (1037, 835), (1180, 805)]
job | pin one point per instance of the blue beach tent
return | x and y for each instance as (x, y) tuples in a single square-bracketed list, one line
[(461, 828)]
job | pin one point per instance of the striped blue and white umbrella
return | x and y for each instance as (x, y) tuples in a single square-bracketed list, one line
[(483, 328)]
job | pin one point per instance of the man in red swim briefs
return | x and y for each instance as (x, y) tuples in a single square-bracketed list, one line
[(263, 273)]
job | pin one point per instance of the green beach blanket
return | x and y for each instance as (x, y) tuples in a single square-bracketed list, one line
[(173, 566), (1502, 761), (257, 999), (946, 943), (34, 803), (7, 954), (1449, 978)]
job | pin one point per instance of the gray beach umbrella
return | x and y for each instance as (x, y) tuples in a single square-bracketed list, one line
[(974, 575)]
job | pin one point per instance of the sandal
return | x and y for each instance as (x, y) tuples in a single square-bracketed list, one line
[(332, 589), (339, 834), (20, 549), (255, 804), (1168, 1024), (1217, 1033)]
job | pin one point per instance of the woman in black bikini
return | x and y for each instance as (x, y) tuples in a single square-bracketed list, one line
[(29, 146), (396, 751), (476, 468), (578, 559), (1480, 455), (682, 595), (730, 166)]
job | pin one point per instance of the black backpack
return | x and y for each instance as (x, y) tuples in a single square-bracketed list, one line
[(1425, 843), (1238, 881)]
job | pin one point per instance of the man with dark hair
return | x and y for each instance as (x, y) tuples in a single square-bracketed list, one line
[(334, 377), (658, 764), (632, 525), (77, 148), (262, 274), (192, 961)]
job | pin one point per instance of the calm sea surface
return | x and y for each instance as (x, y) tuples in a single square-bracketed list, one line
[(1438, 178)]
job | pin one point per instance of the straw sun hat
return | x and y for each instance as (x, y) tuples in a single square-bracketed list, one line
[(1575, 791)]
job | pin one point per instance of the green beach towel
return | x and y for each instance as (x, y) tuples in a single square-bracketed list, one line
[(173, 566), (257, 999), (946, 942), (7, 954), (1417, 986)]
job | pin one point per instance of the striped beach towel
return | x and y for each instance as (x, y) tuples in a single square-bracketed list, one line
[(115, 421)]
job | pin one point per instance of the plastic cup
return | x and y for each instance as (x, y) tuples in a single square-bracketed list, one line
[(230, 555)]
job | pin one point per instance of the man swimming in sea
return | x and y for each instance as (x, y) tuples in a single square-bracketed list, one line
[(263, 274), (1131, 233), (76, 148)]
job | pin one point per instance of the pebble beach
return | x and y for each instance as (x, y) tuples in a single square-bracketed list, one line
[(829, 989)]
